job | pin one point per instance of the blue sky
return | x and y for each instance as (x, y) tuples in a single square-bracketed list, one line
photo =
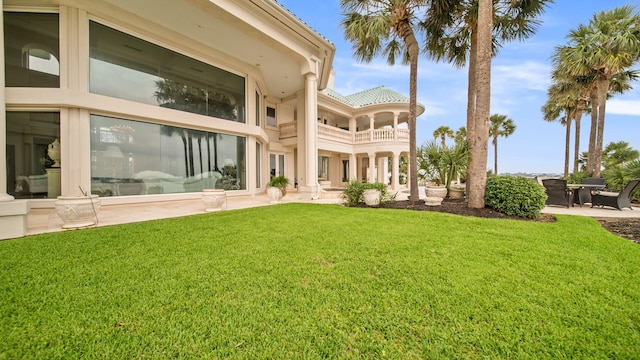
[(520, 79)]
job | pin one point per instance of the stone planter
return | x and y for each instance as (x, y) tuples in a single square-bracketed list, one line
[(78, 211), (433, 201), (372, 197), (213, 199), (275, 195), (435, 191), (456, 193)]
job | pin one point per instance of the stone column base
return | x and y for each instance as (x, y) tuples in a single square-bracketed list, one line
[(13, 219)]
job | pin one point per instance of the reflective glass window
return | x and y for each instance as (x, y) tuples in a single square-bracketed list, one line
[(138, 158), (31, 50), (29, 161), (130, 68)]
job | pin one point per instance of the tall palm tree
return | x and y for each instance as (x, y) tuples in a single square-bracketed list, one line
[(388, 28), (500, 125), (607, 46), (443, 132), (453, 37), (571, 99)]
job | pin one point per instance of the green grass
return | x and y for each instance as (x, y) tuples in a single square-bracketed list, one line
[(322, 281)]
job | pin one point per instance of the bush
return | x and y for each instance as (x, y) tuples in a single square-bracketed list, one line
[(353, 194), (279, 182), (515, 196)]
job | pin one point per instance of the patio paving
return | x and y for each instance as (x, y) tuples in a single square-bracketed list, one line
[(46, 220)]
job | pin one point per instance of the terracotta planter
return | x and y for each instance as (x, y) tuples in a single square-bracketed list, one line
[(275, 195), (213, 199), (78, 211), (372, 197)]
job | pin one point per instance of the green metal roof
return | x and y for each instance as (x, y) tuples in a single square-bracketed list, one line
[(377, 95)]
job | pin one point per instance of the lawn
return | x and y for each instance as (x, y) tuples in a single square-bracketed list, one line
[(322, 281)]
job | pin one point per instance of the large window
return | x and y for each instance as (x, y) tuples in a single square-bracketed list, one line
[(129, 68), (31, 48), (29, 165), (136, 158)]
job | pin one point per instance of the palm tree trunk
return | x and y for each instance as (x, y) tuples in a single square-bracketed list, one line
[(208, 152), (495, 155), (567, 143), (603, 88), (478, 174), (576, 148), (593, 133), (471, 97), (413, 48), (186, 153)]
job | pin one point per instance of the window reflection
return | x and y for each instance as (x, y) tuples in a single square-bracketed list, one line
[(29, 165), (31, 44), (129, 68), (137, 158)]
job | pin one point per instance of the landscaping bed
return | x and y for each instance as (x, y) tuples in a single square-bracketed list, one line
[(628, 228)]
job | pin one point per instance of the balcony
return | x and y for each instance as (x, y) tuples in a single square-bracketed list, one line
[(290, 130)]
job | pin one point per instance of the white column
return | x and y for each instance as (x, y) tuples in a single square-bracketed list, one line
[(3, 122), (311, 134), (371, 176), (371, 126), (395, 126), (353, 167), (395, 171), (353, 128), (13, 213)]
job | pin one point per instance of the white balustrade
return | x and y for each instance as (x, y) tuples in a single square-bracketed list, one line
[(288, 130)]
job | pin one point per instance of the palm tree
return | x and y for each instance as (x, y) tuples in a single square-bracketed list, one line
[(443, 132), (461, 135), (500, 125), (571, 99), (388, 28), (618, 153), (453, 36), (608, 46)]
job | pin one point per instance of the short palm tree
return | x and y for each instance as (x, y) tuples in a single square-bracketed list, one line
[(443, 132), (500, 125)]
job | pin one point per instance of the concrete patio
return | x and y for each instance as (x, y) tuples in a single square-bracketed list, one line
[(46, 220)]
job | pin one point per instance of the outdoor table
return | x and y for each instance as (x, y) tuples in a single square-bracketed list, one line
[(579, 187)]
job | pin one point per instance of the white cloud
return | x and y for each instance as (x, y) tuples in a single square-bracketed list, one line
[(623, 107), (530, 75)]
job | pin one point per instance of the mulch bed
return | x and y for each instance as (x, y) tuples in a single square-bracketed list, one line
[(623, 227)]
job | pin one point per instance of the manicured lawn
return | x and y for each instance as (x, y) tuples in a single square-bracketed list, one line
[(322, 281)]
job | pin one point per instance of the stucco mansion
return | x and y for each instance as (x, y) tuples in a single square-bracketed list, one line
[(148, 101)]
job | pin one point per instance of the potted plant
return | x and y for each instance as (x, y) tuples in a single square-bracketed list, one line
[(441, 165), (277, 188)]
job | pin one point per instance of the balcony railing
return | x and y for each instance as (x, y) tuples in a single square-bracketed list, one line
[(289, 130)]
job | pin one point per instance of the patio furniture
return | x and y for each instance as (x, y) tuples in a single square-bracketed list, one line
[(584, 190), (619, 200), (557, 192)]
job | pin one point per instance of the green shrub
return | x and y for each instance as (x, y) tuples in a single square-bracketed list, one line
[(515, 196), (353, 194)]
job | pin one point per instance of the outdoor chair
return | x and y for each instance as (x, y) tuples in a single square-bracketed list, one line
[(584, 195), (557, 192), (619, 200)]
